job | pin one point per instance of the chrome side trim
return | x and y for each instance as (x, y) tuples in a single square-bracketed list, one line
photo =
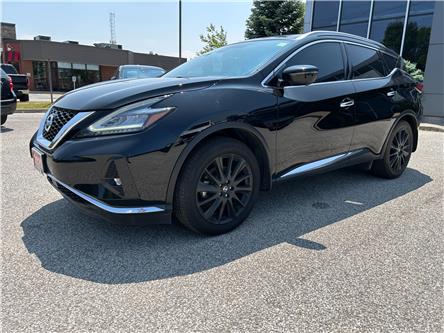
[(106, 207), (319, 164), (63, 131)]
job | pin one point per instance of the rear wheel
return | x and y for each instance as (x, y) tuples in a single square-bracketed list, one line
[(217, 187), (4, 118), (397, 153), (24, 98)]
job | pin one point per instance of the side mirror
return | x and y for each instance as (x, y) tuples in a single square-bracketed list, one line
[(299, 75)]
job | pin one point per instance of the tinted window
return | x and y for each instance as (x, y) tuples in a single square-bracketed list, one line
[(327, 57), (386, 9), (355, 11), (421, 7), (365, 62), (359, 29), (390, 62), (9, 69), (417, 36), (325, 15), (354, 17), (388, 32)]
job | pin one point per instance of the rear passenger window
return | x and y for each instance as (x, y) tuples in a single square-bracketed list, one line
[(390, 62), (327, 57), (366, 63)]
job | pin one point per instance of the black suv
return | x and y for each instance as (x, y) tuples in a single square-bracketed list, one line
[(201, 141)]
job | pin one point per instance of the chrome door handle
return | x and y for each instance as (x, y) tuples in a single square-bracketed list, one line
[(391, 93), (347, 102)]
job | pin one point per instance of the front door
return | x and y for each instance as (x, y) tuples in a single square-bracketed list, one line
[(316, 121)]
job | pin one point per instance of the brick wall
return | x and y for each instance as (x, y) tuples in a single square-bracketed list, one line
[(106, 72)]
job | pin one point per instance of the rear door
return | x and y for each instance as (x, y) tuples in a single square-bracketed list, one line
[(376, 97), (316, 121)]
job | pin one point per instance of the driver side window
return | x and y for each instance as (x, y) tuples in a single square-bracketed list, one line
[(327, 57)]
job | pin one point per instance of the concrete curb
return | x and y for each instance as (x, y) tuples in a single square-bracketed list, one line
[(31, 110), (431, 128)]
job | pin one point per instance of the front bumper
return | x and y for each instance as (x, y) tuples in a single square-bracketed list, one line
[(87, 179), (121, 215)]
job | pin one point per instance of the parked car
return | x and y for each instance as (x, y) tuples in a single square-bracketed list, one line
[(8, 98), (137, 72), (200, 143), (20, 81)]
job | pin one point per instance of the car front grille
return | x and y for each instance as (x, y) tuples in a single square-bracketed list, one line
[(56, 119)]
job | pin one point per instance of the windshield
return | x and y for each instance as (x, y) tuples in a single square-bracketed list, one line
[(233, 60)]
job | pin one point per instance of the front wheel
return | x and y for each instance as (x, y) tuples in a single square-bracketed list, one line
[(397, 153), (217, 187), (4, 118)]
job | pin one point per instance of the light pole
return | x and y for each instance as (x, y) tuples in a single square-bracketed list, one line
[(180, 32)]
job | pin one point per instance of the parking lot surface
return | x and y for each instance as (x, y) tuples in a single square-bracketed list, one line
[(340, 252)]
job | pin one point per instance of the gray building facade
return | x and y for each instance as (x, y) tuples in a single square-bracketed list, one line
[(412, 28)]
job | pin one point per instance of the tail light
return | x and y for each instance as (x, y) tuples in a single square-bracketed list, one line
[(419, 87), (11, 85)]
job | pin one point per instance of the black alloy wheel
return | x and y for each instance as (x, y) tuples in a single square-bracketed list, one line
[(217, 186), (397, 153), (224, 188), (399, 150)]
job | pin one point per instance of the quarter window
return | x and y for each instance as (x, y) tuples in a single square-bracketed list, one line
[(390, 62), (327, 57), (366, 63)]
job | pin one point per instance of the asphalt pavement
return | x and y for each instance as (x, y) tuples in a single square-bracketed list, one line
[(340, 252)]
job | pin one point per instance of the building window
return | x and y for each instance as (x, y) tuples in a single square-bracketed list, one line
[(40, 75), (354, 17), (325, 15), (417, 36), (64, 76), (388, 9), (388, 32), (388, 23)]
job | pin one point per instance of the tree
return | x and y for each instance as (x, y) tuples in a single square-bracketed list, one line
[(271, 18), (213, 39)]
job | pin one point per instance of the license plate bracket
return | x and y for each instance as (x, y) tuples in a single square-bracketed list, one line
[(39, 160)]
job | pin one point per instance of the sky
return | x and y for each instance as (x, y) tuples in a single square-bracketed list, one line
[(141, 26)]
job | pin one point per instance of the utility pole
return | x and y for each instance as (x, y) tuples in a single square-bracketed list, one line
[(180, 32), (112, 28), (50, 80)]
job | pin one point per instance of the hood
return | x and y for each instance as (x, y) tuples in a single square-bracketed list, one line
[(113, 94)]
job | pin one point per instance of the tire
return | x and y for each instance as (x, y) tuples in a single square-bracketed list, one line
[(397, 153), (24, 98), (210, 203), (4, 118)]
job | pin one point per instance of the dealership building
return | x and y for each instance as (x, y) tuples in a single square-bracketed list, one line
[(88, 64), (412, 28)]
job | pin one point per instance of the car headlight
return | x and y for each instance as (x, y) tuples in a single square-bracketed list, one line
[(128, 119)]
